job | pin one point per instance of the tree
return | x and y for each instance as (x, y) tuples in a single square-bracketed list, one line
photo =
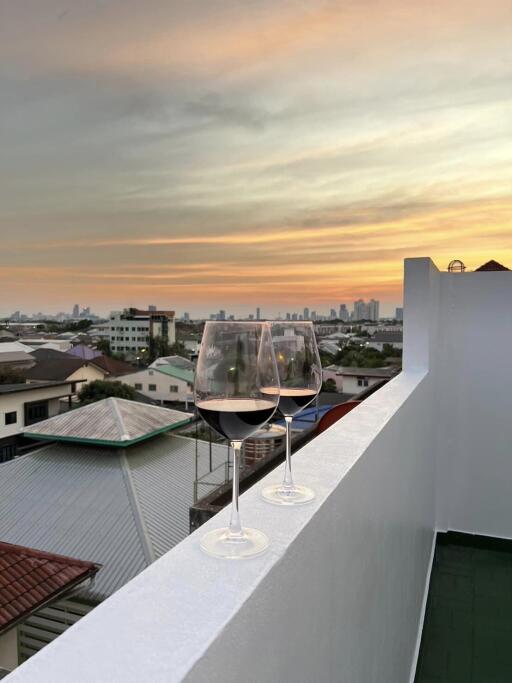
[(104, 346), (10, 375), (100, 389), (329, 385)]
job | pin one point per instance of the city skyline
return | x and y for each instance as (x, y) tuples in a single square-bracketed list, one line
[(272, 154)]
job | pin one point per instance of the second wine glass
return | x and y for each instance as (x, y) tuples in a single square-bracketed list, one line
[(300, 378)]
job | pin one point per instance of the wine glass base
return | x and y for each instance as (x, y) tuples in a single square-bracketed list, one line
[(219, 543), (278, 494)]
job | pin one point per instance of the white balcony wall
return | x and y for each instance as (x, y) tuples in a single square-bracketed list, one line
[(474, 395)]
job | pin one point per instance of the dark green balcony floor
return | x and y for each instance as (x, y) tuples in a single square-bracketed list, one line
[(467, 636)]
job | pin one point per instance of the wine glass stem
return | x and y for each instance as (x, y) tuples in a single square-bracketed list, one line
[(288, 480), (235, 526)]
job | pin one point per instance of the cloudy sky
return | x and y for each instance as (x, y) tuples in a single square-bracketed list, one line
[(207, 154)]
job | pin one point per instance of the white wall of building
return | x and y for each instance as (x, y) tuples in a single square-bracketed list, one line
[(16, 402), (167, 388), (9, 649)]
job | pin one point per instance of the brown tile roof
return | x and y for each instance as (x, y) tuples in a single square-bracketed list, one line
[(29, 578), (54, 369), (112, 366), (491, 265)]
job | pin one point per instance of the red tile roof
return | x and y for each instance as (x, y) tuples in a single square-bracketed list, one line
[(112, 366), (29, 578), (491, 265)]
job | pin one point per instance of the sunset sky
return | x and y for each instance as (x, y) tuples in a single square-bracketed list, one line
[(206, 154)]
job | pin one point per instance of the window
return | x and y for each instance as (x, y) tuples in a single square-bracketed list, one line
[(138, 387), (36, 411), (7, 452), (11, 418), (362, 381), (150, 372), (173, 389), (151, 387)]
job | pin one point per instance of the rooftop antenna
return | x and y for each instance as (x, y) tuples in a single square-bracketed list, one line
[(456, 266)]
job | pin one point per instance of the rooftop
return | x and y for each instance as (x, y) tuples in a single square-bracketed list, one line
[(121, 508), (178, 373), (16, 388), (111, 422), (29, 578)]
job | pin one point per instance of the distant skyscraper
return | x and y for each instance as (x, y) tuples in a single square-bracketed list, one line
[(313, 315), (373, 309), (294, 316), (186, 317), (343, 313), (306, 313), (152, 307), (399, 314), (251, 316), (76, 311), (360, 310), (332, 314), (288, 316), (222, 315), (258, 313)]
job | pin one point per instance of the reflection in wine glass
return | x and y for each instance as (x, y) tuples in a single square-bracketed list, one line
[(235, 364), (300, 378)]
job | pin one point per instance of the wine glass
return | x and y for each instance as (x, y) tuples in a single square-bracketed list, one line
[(236, 363), (300, 378)]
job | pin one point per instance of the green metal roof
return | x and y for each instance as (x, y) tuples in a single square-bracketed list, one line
[(179, 373)]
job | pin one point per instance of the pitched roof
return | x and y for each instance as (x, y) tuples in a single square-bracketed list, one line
[(386, 336), (29, 578), (119, 508), (112, 366), (84, 351), (491, 265), (367, 372), (43, 353), (7, 347), (176, 361), (178, 373), (54, 368), (15, 357), (14, 388), (111, 421)]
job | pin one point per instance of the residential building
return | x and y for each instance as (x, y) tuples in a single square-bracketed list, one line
[(15, 360), (22, 405), (380, 339), (353, 380), (55, 366), (176, 361), (131, 330), (29, 579), (166, 383)]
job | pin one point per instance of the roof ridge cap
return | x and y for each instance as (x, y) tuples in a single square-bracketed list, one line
[(140, 522)]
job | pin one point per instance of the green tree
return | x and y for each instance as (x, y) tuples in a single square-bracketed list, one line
[(100, 389), (104, 346), (329, 385)]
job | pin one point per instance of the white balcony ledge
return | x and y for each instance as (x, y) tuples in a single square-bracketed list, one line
[(339, 595)]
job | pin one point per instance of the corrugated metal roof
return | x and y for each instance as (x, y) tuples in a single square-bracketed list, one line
[(163, 473), (75, 500), (112, 421)]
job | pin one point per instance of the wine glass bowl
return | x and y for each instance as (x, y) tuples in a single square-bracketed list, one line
[(300, 378), (236, 392)]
